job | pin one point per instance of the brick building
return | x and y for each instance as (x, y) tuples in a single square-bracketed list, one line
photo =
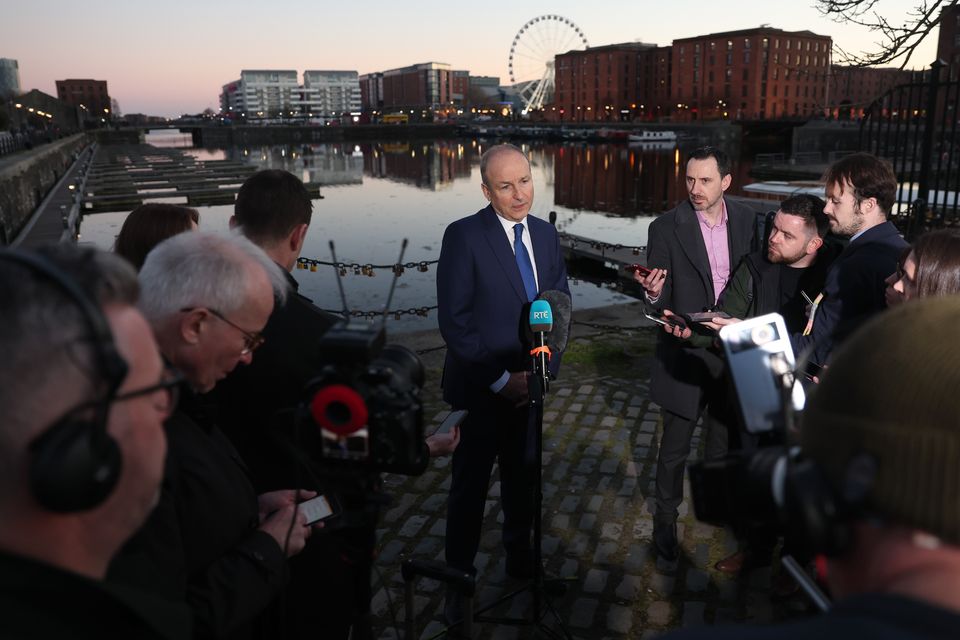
[(419, 89), (948, 45), (752, 73), (598, 84), (853, 89), (91, 96)]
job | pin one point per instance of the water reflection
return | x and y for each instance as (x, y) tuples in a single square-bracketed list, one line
[(425, 165), (377, 193)]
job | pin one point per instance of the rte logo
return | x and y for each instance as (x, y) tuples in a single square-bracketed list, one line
[(541, 315)]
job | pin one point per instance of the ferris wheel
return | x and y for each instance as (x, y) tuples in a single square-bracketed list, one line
[(532, 53)]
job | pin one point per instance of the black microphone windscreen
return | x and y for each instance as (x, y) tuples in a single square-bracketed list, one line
[(562, 308)]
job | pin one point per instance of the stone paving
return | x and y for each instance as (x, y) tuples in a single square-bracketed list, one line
[(601, 434)]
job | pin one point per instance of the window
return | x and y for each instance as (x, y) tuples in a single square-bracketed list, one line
[(776, 43), (729, 45), (746, 43), (776, 58), (713, 46), (710, 75), (746, 57), (788, 44), (729, 75), (696, 48), (729, 59), (743, 91), (746, 74), (765, 43)]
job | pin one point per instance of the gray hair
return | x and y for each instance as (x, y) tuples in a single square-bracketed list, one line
[(48, 350), (203, 269)]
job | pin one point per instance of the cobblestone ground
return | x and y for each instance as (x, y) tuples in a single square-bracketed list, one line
[(601, 434)]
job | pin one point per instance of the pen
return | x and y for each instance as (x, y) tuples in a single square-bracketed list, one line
[(806, 297)]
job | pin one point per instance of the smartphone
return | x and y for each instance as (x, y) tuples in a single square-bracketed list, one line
[(705, 316), (318, 508), (453, 419), (637, 268), (674, 321)]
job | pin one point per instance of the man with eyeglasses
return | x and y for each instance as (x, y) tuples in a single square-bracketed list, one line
[(62, 320), (212, 542)]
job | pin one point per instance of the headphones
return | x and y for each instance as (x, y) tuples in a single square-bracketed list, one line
[(75, 463)]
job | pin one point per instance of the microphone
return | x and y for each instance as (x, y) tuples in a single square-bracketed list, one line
[(562, 307), (541, 323)]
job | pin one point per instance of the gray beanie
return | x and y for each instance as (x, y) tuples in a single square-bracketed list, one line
[(892, 392)]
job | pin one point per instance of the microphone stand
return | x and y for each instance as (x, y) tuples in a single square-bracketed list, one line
[(538, 385)]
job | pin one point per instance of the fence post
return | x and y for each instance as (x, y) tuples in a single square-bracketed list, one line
[(923, 187)]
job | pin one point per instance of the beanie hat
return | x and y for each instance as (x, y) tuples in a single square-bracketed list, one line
[(892, 393)]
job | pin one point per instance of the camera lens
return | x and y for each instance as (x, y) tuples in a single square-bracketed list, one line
[(762, 335)]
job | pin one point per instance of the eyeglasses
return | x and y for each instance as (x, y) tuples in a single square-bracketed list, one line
[(169, 382), (252, 340)]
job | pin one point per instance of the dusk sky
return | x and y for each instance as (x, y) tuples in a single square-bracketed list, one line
[(172, 57)]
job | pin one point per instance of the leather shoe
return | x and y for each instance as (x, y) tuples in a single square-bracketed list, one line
[(520, 565), (665, 540), (732, 564)]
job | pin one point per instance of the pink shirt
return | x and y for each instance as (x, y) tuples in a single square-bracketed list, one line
[(718, 249)]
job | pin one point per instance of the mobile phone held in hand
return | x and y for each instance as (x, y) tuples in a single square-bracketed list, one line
[(317, 509), (672, 321), (637, 268), (705, 316)]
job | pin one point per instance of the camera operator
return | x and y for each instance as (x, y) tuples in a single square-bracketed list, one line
[(83, 396), (330, 581), (329, 585), (211, 542), (876, 486)]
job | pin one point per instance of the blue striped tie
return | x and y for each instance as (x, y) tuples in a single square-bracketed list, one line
[(523, 261)]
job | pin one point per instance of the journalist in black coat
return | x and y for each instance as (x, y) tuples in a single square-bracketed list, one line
[(686, 378)]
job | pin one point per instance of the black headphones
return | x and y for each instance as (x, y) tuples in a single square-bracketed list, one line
[(819, 514), (75, 463)]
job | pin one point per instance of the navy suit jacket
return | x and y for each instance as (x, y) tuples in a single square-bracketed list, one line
[(481, 300), (854, 289)]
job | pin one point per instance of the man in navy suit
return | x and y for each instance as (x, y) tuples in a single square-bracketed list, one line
[(492, 264)]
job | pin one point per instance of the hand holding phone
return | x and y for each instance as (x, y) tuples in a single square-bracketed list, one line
[(638, 269), (705, 316), (316, 509)]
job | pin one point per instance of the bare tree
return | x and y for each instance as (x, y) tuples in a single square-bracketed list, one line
[(898, 42)]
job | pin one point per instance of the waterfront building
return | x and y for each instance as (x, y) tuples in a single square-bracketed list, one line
[(9, 78), (600, 84), (948, 44), (269, 94), (91, 96), (330, 94), (853, 89), (750, 74), (38, 111), (231, 99), (420, 90)]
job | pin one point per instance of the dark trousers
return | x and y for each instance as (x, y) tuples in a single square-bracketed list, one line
[(674, 450), (496, 432)]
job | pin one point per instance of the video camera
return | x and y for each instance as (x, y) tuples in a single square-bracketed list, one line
[(747, 489), (365, 401)]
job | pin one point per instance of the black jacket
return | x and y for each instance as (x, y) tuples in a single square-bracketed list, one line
[(854, 289), (39, 601), (201, 544), (675, 243)]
